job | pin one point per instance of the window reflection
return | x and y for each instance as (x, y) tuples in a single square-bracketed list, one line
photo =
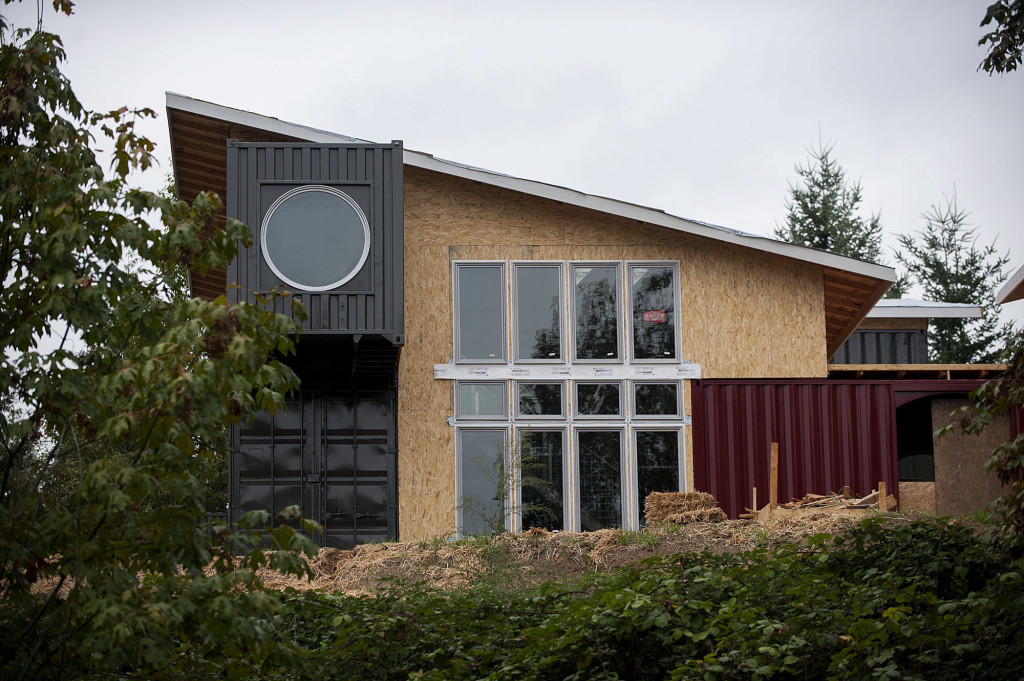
[(596, 304), (653, 300), (600, 479), (542, 478)]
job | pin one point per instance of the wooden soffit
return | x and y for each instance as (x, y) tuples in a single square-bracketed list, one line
[(199, 157), (849, 297)]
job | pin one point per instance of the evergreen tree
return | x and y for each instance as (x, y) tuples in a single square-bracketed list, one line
[(822, 211), (945, 259)]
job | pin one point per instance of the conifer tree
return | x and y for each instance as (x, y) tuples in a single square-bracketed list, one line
[(946, 260), (822, 211)]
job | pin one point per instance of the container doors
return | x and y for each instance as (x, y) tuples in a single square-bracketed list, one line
[(332, 454)]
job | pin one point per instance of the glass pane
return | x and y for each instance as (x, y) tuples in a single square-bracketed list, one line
[(597, 399), (540, 399), (538, 322), (656, 399), (654, 321), (541, 465), (657, 464), (481, 399), (481, 461), (596, 316), (481, 318), (315, 238), (600, 479)]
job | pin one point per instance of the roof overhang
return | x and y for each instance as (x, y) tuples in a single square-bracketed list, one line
[(921, 309), (1013, 289), (199, 131)]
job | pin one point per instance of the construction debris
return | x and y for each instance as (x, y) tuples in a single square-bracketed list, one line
[(840, 503), (681, 508)]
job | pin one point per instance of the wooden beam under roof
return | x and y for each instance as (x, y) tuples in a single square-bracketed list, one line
[(199, 157)]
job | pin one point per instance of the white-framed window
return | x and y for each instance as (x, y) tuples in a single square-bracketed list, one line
[(660, 460), (481, 335), (567, 411), (598, 400), (653, 303), (656, 400), (596, 311), (481, 400), (538, 312), (543, 478), (540, 400), (483, 480), (601, 474)]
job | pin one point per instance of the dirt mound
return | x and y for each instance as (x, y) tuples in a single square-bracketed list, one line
[(536, 556)]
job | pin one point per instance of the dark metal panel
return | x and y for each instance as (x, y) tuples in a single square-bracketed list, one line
[(372, 300), (332, 453), (830, 434), (868, 346)]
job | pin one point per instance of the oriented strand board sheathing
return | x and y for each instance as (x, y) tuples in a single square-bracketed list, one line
[(743, 313), (917, 496), (426, 474), (961, 483)]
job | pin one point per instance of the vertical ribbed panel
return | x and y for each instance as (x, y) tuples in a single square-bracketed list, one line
[(372, 301), (830, 434), (868, 346)]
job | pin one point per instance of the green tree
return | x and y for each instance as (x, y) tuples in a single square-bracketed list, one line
[(106, 567), (1006, 42), (946, 260), (822, 211)]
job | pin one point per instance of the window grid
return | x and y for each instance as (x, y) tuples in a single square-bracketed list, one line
[(568, 424)]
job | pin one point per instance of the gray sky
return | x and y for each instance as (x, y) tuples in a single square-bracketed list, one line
[(698, 108)]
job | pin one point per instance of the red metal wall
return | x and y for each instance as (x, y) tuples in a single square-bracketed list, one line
[(830, 434)]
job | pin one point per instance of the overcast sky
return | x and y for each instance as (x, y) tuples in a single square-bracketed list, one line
[(698, 108)]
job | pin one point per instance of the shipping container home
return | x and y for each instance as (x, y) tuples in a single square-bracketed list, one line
[(489, 352)]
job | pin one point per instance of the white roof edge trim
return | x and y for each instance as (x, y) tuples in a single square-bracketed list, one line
[(1013, 282), (253, 120), (922, 312), (547, 191)]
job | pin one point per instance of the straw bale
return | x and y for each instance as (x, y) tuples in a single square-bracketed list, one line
[(679, 508)]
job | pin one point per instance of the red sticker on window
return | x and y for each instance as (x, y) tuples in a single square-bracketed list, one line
[(654, 316)]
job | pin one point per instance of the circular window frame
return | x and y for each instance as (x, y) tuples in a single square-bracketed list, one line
[(333, 192)]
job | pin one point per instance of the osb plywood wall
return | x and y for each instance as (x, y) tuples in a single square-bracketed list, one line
[(961, 483), (743, 313)]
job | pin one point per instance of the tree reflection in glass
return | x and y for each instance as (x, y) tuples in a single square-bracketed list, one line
[(541, 471), (657, 464), (538, 318), (540, 399), (597, 399), (656, 399), (596, 307), (653, 298), (600, 479)]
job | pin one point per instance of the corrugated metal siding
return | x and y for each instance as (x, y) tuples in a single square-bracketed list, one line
[(884, 347), (830, 434), (373, 300)]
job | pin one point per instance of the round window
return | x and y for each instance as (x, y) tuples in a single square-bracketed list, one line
[(315, 238)]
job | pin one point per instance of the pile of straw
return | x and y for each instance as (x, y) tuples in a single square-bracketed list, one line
[(682, 508)]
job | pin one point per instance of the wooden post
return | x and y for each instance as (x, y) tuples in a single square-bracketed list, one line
[(773, 489), (756, 509), (883, 500)]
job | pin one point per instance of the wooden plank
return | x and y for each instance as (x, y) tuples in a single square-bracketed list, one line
[(882, 499), (773, 490)]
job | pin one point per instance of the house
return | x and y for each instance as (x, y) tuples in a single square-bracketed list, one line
[(487, 351)]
